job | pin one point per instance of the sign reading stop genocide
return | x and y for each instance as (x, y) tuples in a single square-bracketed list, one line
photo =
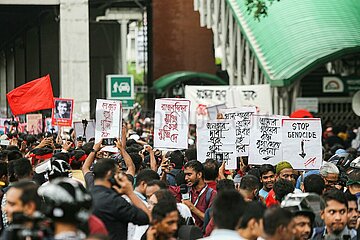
[(302, 142)]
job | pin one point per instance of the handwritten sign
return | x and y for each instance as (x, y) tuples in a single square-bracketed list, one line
[(302, 142), (108, 119), (215, 140), (171, 123), (265, 140), (252, 95), (242, 118), (202, 97), (34, 123)]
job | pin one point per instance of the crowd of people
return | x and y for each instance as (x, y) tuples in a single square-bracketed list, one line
[(59, 186)]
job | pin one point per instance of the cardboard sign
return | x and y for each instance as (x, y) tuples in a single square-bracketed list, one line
[(302, 142), (242, 118), (63, 111), (108, 119), (213, 111), (215, 140), (34, 123), (90, 129), (171, 124), (49, 126), (265, 140), (252, 95), (202, 97)]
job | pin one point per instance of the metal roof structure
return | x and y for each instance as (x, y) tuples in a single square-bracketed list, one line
[(296, 37), (299, 35)]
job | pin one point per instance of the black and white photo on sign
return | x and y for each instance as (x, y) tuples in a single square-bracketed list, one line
[(63, 109)]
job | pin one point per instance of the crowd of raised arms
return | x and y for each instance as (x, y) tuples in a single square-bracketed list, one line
[(63, 186)]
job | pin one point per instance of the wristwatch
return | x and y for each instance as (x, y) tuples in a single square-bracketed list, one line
[(93, 150)]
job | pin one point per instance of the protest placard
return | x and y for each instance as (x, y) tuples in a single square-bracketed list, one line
[(265, 140), (62, 112), (242, 118), (108, 119), (215, 140), (90, 129), (302, 142), (49, 126), (251, 95), (202, 97), (34, 123), (213, 111), (171, 124)]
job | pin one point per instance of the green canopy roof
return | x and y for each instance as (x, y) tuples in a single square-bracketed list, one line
[(299, 35), (171, 79)]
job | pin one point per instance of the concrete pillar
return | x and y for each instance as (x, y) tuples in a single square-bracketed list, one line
[(74, 55), (2, 85), (123, 41)]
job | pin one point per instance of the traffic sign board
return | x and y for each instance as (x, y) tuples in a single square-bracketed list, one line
[(127, 103), (120, 87)]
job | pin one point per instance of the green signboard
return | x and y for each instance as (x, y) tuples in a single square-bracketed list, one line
[(127, 103), (336, 84), (120, 86)]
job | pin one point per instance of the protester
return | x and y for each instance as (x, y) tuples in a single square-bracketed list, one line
[(222, 185), (201, 196), (249, 187), (164, 222), (108, 204), (176, 159), (68, 204), (252, 222), (303, 215), (278, 224), (267, 178), (143, 178), (330, 174), (228, 208), (314, 184), (22, 198), (353, 183), (353, 213), (334, 212), (282, 187), (211, 172), (145, 193), (285, 171)]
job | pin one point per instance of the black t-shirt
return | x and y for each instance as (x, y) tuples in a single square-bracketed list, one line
[(116, 212)]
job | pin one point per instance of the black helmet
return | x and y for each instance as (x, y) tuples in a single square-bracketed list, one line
[(302, 204), (59, 168), (66, 200)]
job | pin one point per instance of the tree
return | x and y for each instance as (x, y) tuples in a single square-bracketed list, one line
[(258, 7)]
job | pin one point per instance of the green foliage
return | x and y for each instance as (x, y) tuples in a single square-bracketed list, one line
[(259, 8), (138, 77)]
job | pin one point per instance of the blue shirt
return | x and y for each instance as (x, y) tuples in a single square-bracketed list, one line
[(263, 194)]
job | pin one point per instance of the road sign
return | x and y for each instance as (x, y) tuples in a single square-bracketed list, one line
[(127, 103), (120, 87)]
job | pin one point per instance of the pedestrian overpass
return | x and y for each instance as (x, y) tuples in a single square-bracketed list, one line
[(296, 38)]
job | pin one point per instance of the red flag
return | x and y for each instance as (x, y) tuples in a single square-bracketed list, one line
[(32, 96)]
